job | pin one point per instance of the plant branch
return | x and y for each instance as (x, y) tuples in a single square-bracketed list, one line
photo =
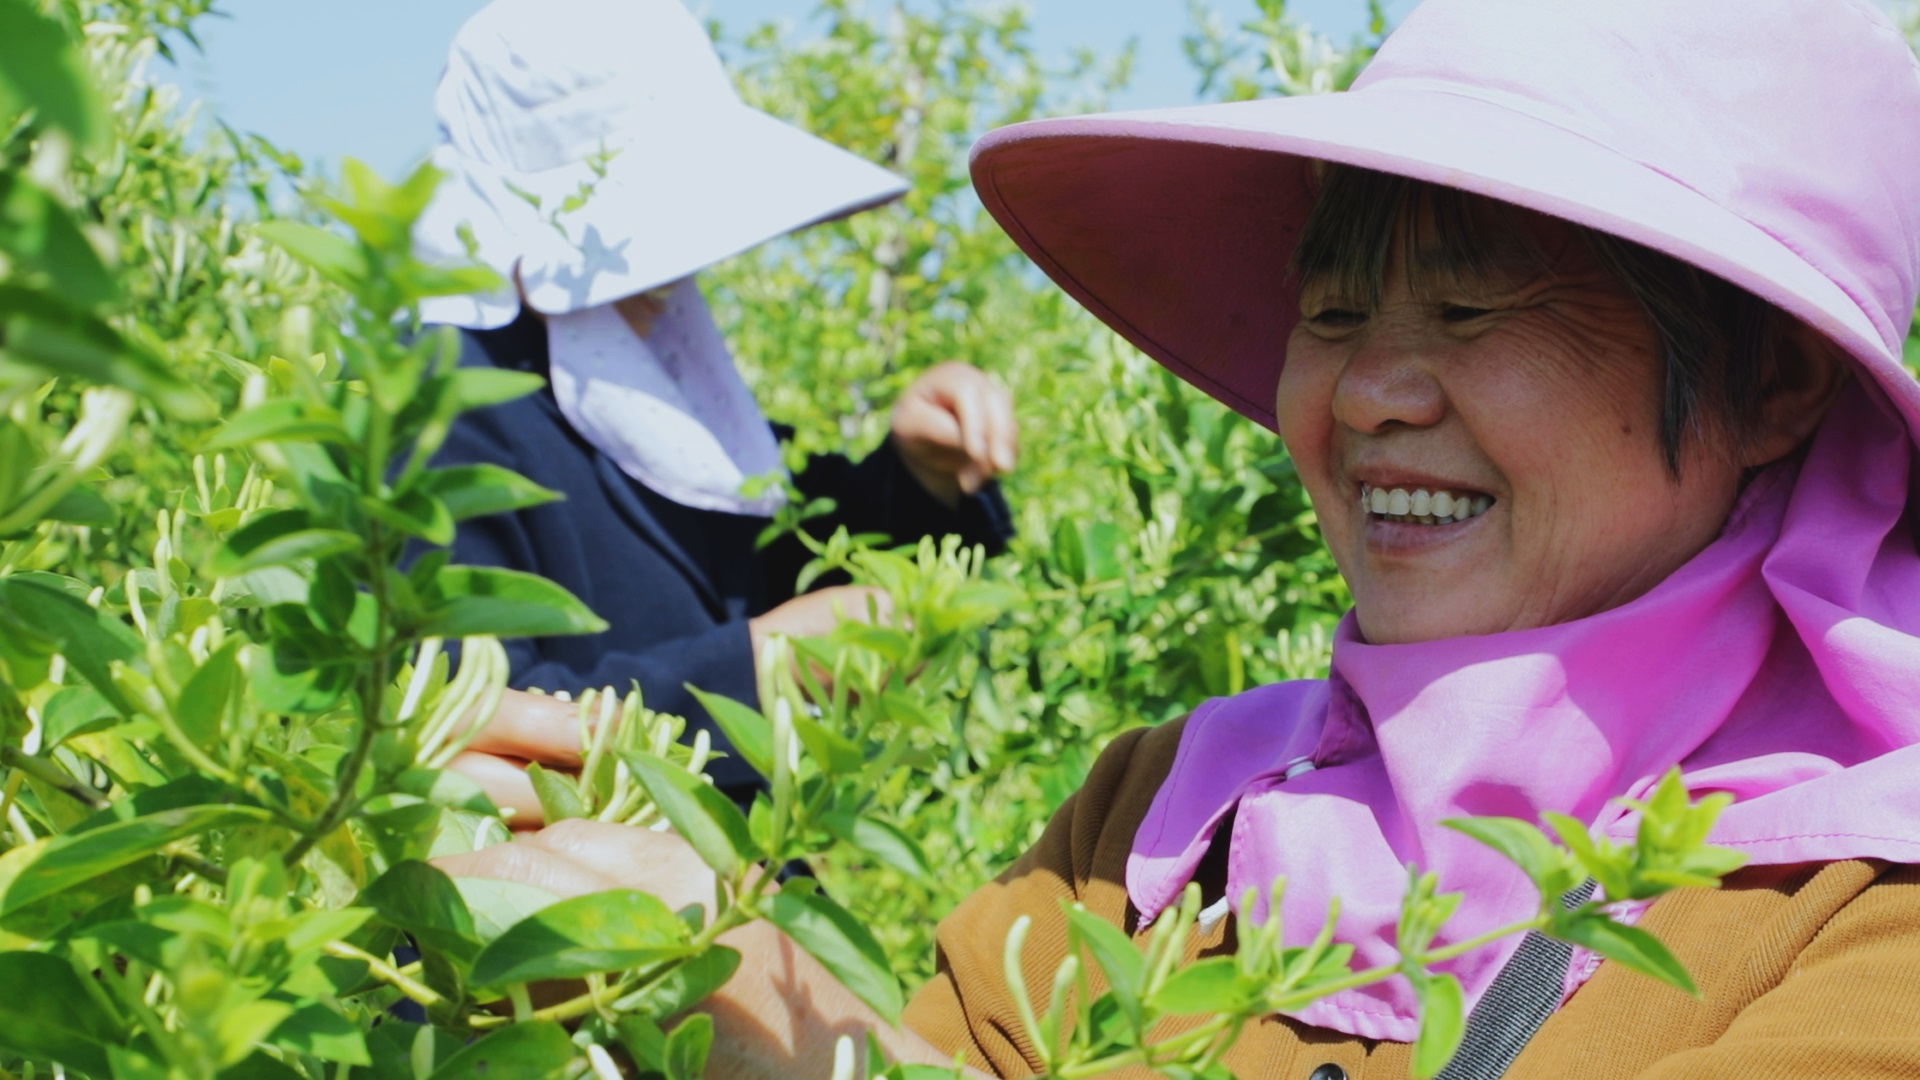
[(51, 774), (385, 972)]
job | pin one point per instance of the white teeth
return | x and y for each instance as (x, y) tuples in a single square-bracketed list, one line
[(1422, 506)]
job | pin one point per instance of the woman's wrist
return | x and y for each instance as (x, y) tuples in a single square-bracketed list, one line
[(781, 1013)]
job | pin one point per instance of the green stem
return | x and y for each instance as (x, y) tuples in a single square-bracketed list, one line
[(51, 774), (188, 748), (127, 987), (373, 698), (198, 865), (385, 972), (1461, 948)]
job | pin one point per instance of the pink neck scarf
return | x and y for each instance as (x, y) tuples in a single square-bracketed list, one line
[(1781, 664)]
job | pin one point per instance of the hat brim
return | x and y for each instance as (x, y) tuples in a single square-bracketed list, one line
[(1175, 226), (666, 208)]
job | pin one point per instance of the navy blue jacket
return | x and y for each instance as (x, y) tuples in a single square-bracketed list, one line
[(675, 584)]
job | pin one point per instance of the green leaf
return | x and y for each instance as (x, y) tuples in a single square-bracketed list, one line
[(90, 640), (277, 539), (1443, 1020), (475, 600), (74, 710), (62, 862), (258, 1065), (1103, 541), (41, 68), (331, 255), (41, 332), (833, 752), (1526, 847), (700, 814), (1212, 985), (471, 491), (497, 906), (480, 387), (280, 420), (841, 944), (315, 1029), (880, 840), (607, 931), (82, 506), (192, 790), (687, 1047), (50, 1016), (1630, 946), (202, 708), (422, 900), (685, 986), (744, 726), (643, 1041), (537, 1050), (1115, 953), (444, 787), (416, 513), (559, 796), (1069, 551)]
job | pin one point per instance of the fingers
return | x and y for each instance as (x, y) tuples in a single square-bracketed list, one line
[(528, 864), (532, 727), (957, 420), (860, 603), (967, 398), (505, 782), (632, 858)]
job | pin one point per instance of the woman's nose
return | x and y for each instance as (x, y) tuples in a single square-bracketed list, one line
[(1385, 382)]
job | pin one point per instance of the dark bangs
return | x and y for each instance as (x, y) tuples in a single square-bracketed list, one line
[(1720, 347)]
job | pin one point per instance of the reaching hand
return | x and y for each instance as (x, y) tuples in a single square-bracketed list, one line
[(781, 1013), (526, 727), (818, 612), (955, 430)]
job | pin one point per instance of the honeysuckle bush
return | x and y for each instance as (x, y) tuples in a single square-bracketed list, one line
[(227, 622)]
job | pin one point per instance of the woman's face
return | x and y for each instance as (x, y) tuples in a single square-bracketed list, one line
[(1503, 431)]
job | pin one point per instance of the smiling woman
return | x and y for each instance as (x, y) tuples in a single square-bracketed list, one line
[(1506, 421)]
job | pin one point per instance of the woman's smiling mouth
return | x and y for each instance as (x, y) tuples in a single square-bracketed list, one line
[(1422, 506)]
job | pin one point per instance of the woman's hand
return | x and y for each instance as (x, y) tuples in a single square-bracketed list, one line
[(817, 613), (955, 430), (781, 1013), (526, 727)]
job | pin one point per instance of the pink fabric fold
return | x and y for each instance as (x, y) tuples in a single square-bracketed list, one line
[(1781, 665)]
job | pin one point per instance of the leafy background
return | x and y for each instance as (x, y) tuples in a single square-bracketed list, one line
[(204, 701)]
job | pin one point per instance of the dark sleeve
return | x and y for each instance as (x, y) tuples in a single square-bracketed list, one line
[(718, 659), (879, 495)]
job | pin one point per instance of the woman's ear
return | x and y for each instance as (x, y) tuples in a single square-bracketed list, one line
[(1811, 372)]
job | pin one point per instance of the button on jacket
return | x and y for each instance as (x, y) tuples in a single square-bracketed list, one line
[(676, 585)]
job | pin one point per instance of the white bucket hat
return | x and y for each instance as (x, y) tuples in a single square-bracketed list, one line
[(626, 98)]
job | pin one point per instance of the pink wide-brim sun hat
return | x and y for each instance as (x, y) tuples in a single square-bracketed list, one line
[(1775, 143)]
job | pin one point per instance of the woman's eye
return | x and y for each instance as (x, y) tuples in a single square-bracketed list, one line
[(1462, 313), (1337, 318)]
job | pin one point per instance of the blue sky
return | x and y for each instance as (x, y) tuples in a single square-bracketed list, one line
[(355, 77)]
